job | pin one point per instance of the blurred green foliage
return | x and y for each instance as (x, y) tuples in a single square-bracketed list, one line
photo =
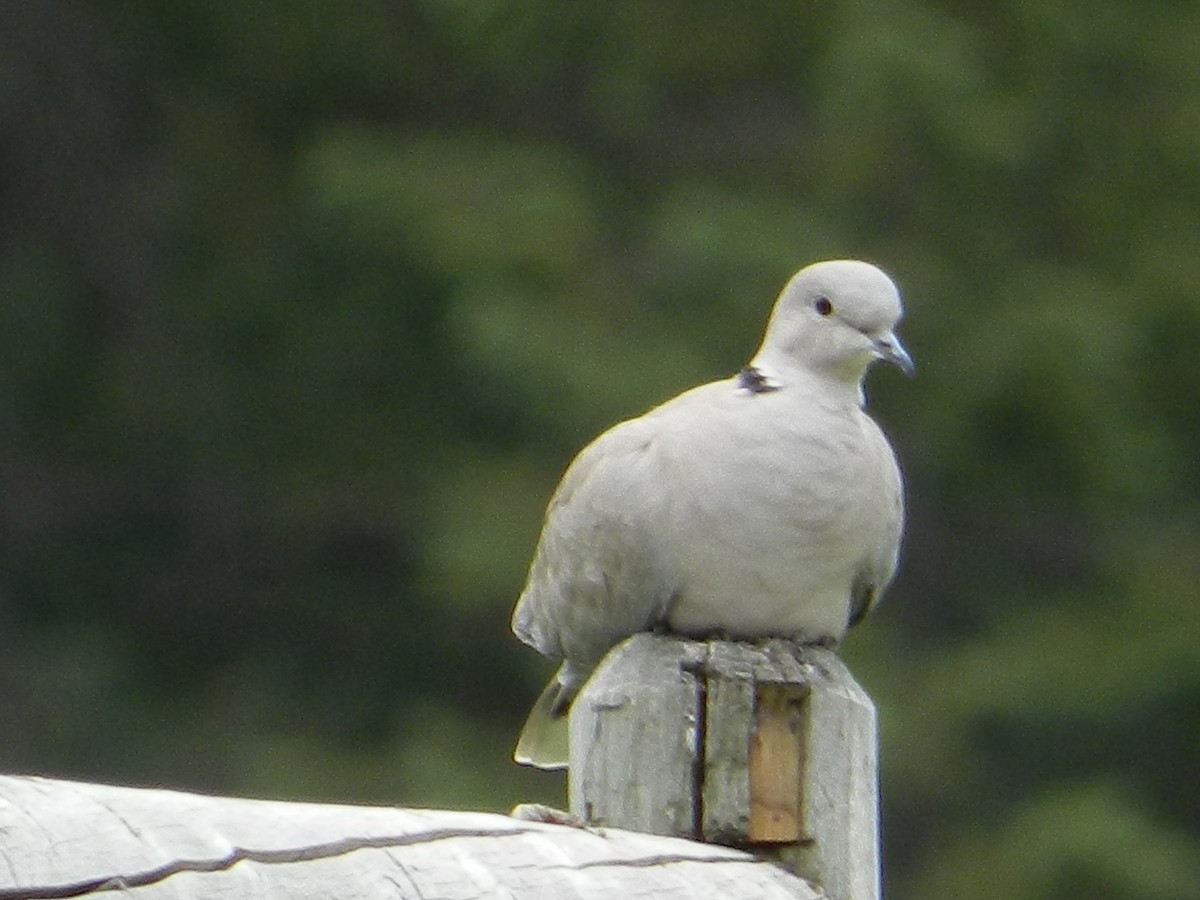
[(305, 305)]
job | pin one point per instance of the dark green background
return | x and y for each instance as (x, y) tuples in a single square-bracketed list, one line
[(305, 305)]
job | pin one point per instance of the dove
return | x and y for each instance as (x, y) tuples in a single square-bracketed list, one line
[(768, 504)]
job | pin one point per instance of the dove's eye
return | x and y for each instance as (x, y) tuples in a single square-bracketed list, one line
[(823, 306)]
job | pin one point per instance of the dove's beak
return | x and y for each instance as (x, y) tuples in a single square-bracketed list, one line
[(891, 350)]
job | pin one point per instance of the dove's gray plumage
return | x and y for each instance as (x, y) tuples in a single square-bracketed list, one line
[(765, 505)]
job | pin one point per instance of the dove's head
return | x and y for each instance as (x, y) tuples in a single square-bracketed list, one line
[(834, 318)]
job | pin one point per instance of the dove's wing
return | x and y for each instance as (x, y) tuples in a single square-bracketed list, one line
[(598, 575), (601, 571)]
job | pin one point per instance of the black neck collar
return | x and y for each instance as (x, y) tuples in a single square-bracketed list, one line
[(754, 381)]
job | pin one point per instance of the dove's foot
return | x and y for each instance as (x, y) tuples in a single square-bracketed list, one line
[(537, 812)]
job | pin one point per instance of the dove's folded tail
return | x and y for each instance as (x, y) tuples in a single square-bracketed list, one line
[(544, 741)]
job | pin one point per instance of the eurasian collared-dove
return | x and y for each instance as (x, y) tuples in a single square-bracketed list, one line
[(765, 505)]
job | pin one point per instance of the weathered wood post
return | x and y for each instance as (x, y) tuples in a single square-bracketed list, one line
[(769, 747)]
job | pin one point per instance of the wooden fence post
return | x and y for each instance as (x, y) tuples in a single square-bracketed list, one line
[(770, 747)]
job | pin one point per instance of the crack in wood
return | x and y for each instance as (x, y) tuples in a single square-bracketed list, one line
[(328, 850), (700, 751), (663, 859), (241, 854)]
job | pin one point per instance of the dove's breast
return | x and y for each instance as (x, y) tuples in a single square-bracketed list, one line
[(775, 513)]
